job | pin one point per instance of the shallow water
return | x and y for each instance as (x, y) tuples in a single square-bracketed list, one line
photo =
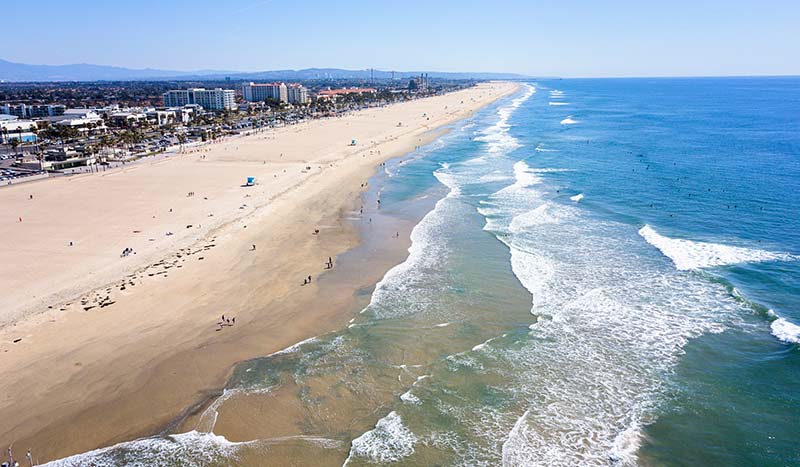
[(609, 277)]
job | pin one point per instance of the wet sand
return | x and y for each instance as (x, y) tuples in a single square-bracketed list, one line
[(130, 343)]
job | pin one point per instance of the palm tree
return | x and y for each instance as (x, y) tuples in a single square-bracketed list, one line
[(35, 130), (181, 139)]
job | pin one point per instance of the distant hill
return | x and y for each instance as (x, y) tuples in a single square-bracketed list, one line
[(15, 72)]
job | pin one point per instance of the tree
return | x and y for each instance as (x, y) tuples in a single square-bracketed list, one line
[(181, 139), (35, 130)]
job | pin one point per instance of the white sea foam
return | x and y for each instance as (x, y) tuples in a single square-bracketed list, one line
[(389, 441), (410, 398), (609, 325), (493, 177), (584, 408), (186, 449), (512, 199), (688, 254), (786, 331), (549, 170), (540, 148), (441, 325), (577, 198), (626, 445), (392, 293), (547, 213), (293, 347), (557, 103), (497, 136), (524, 176), (569, 121), (208, 419)]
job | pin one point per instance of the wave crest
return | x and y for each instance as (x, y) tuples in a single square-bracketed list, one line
[(689, 255)]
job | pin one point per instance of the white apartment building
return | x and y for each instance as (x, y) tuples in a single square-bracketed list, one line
[(253, 92), (32, 110), (297, 94), (209, 99)]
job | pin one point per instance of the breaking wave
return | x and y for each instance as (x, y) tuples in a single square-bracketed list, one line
[(389, 441), (688, 254)]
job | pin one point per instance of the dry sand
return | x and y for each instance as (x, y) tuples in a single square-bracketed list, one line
[(118, 347)]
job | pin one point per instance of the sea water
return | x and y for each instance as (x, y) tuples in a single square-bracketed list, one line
[(610, 276)]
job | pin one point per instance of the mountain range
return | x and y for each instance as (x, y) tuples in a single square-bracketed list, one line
[(16, 72)]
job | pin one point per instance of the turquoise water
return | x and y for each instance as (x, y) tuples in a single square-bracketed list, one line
[(610, 277)]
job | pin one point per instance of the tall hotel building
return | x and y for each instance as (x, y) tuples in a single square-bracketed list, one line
[(209, 99), (293, 93), (297, 94)]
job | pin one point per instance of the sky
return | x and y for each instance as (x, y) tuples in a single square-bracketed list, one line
[(568, 38)]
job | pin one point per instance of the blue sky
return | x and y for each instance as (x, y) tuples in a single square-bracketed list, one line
[(563, 38)]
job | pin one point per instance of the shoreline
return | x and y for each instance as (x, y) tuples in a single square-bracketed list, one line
[(130, 381)]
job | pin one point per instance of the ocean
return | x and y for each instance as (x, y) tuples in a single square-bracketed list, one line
[(602, 272)]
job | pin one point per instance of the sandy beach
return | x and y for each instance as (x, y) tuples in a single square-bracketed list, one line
[(97, 347)]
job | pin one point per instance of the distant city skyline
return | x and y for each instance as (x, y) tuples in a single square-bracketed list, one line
[(575, 39)]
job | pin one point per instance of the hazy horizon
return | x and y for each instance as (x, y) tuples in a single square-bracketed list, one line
[(522, 75)]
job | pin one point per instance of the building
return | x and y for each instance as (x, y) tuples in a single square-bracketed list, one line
[(126, 118), (161, 117), (86, 121), (209, 99), (187, 113), (14, 129), (32, 111), (334, 93), (253, 92), (297, 94)]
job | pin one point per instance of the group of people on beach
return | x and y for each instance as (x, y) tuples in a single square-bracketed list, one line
[(12, 463), (226, 322), (127, 251)]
